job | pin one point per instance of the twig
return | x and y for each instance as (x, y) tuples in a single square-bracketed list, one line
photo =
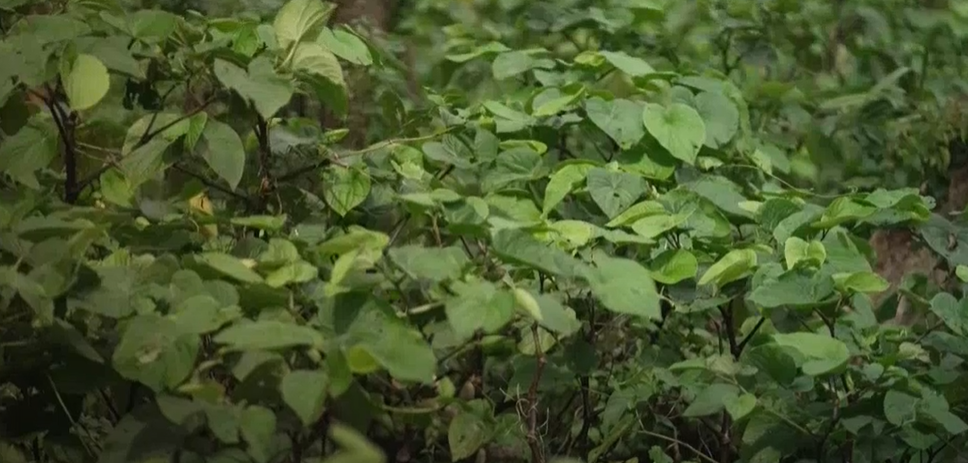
[(537, 453), (154, 133), (70, 156), (267, 185), (375, 147), (748, 337), (70, 418), (211, 184), (702, 456), (154, 117)]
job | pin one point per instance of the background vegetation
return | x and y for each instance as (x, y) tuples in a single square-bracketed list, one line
[(483, 231)]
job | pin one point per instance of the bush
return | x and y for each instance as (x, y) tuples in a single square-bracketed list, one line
[(608, 231)]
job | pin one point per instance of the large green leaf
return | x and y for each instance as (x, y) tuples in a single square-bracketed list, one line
[(27, 151), (344, 188), (304, 391), (434, 264), (156, 352), (624, 286), (821, 354), (720, 117), (677, 127), (86, 82), (734, 265), (518, 247), (673, 266), (478, 305), (345, 45), (466, 434), (563, 182), (261, 84), (614, 191), (298, 19), (953, 313), (618, 118), (222, 150)]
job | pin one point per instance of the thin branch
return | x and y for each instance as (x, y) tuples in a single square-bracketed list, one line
[(372, 148), (746, 340), (205, 181), (154, 117), (537, 453), (70, 156), (702, 456), (154, 133), (267, 184)]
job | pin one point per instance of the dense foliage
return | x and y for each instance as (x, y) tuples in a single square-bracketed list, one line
[(599, 231)]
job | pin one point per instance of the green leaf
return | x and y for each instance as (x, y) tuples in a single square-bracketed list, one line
[(156, 352), (677, 127), (734, 265), (313, 59), (797, 250), (563, 182), (793, 288), (720, 117), (397, 347), (624, 286), (27, 151), (478, 305), (614, 191), (222, 150), (230, 266), (258, 427), (822, 354), (740, 406), (345, 45), (267, 90), (267, 335), (304, 392), (961, 272), (345, 188), (630, 65), (673, 266), (899, 408), (356, 449), (299, 18), (518, 247), (636, 212), (861, 282), (86, 82), (618, 118), (954, 314), (292, 273), (434, 264), (466, 434), (711, 400), (513, 63)]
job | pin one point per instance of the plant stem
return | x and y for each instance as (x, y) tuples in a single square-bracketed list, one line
[(537, 453)]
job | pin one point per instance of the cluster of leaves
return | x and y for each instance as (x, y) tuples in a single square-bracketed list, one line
[(584, 243)]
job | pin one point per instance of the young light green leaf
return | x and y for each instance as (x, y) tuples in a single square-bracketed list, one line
[(86, 82), (711, 400), (345, 45), (823, 354), (797, 250), (794, 288), (298, 18), (673, 266), (740, 406), (734, 265), (677, 127), (861, 282)]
